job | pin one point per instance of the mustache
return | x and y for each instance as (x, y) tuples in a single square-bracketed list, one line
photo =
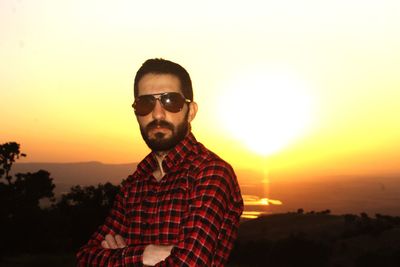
[(159, 123)]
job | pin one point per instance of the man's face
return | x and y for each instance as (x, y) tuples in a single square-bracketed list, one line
[(161, 129)]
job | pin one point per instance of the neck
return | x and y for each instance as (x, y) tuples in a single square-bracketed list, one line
[(159, 173), (160, 155)]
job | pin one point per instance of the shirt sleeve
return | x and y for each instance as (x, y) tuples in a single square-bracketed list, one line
[(210, 228), (92, 254)]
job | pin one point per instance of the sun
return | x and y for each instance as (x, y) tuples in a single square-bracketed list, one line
[(265, 109)]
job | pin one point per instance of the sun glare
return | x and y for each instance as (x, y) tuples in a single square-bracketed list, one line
[(265, 109)]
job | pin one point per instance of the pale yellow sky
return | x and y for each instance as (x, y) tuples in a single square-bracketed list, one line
[(67, 67)]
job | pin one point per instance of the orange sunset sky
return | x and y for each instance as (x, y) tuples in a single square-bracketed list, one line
[(283, 87)]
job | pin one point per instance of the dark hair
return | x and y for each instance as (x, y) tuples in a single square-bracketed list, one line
[(162, 66)]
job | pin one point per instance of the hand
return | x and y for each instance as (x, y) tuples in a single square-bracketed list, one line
[(113, 242), (153, 254)]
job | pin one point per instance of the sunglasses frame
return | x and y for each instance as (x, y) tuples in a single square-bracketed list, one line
[(159, 97)]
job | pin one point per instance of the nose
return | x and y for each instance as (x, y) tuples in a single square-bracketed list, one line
[(158, 111)]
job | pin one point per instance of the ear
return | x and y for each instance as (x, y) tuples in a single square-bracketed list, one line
[(192, 111)]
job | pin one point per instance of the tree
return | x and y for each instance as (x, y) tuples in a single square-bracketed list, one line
[(22, 197), (30, 188), (22, 223), (83, 209), (100, 197), (27, 189), (9, 152)]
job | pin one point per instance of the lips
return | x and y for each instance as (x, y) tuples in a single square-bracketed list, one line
[(159, 125), (159, 129)]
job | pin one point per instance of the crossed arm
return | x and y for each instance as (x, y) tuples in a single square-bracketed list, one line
[(152, 254)]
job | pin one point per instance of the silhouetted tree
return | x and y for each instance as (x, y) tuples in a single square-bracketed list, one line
[(21, 216), (101, 196), (30, 188), (9, 152), (82, 210), (327, 211), (22, 222), (364, 216)]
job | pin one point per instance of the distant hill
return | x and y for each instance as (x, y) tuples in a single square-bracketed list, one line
[(66, 175)]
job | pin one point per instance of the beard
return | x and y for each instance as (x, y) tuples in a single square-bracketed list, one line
[(159, 142)]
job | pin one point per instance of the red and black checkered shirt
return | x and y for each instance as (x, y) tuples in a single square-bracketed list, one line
[(195, 207)]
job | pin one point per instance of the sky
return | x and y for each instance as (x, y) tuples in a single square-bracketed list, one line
[(287, 88)]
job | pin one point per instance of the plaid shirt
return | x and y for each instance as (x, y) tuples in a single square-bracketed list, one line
[(195, 207)]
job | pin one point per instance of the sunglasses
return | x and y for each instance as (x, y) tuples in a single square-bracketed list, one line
[(172, 102)]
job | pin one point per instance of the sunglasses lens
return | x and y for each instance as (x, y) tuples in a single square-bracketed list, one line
[(172, 102), (144, 105)]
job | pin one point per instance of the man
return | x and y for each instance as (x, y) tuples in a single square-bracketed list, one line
[(182, 205)]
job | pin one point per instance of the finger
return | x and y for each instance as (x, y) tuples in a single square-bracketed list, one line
[(111, 241), (120, 241), (104, 244)]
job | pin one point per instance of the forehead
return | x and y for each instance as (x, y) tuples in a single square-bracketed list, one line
[(152, 83)]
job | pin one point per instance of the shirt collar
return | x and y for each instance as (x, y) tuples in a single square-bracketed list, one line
[(173, 159)]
